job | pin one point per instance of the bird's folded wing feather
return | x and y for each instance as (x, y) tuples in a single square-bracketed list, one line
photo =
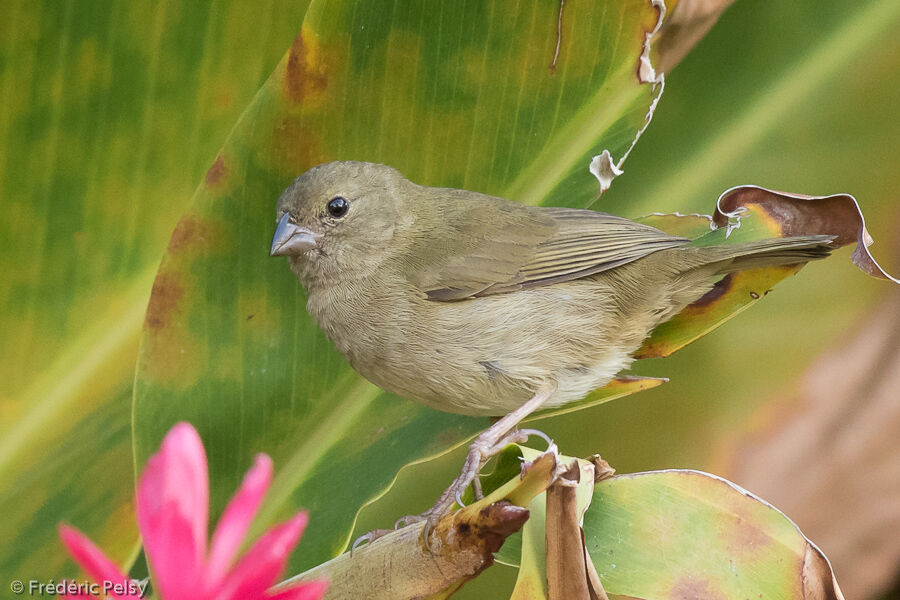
[(498, 246)]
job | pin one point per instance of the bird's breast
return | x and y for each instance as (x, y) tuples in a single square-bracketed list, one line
[(360, 317), (477, 356)]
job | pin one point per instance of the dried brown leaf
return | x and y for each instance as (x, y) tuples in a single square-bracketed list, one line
[(818, 579), (602, 469), (566, 570)]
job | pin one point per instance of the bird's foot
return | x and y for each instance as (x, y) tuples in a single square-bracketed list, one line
[(484, 448)]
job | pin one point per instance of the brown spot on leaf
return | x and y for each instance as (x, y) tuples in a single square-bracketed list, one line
[(164, 299), (720, 289), (754, 295), (690, 587), (304, 76), (188, 230), (746, 538), (216, 172)]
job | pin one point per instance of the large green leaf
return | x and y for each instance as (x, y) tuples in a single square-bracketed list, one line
[(450, 96), (111, 112)]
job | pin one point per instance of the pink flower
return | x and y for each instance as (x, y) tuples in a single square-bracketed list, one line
[(172, 515)]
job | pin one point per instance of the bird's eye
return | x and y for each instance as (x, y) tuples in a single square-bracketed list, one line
[(338, 207)]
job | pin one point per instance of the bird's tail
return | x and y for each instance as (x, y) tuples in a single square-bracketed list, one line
[(764, 253), (688, 272)]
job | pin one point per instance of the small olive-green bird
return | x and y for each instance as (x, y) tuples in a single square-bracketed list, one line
[(479, 305)]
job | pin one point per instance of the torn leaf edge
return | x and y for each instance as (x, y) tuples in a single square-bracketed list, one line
[(602, 166)]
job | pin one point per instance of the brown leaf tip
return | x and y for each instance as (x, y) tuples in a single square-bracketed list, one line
[(483, 531), (817, 578)]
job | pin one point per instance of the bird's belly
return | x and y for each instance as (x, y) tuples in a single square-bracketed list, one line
[(486, 356)]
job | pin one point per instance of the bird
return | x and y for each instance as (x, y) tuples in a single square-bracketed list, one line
[(483, 306)]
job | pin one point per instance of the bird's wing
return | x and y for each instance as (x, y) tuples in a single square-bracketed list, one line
[(585, 242), (500, 246)]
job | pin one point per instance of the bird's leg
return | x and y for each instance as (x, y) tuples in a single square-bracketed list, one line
[(482, 449)]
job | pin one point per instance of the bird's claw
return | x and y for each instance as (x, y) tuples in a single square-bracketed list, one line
[(479, 453), (530, 432), (408, 520), (368, 538)]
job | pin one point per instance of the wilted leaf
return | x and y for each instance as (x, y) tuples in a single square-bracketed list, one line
[(784, 214), (456, 98), (567, 575), (687, 534)]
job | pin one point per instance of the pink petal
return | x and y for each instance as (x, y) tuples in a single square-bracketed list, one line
[(173, 510), (236, 519), (260, 567), (90, 558), (311, 590)]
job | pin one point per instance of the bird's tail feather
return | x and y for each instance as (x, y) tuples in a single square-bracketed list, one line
[(766, 253)]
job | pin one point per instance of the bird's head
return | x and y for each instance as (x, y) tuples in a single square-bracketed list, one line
[(338, 220)]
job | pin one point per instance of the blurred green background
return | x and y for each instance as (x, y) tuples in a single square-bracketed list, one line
[(113, 111)]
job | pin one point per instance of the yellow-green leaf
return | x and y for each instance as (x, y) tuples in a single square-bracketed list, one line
[(687, 534)]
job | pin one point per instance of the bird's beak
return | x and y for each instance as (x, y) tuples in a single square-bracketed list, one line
[(290, 239)]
